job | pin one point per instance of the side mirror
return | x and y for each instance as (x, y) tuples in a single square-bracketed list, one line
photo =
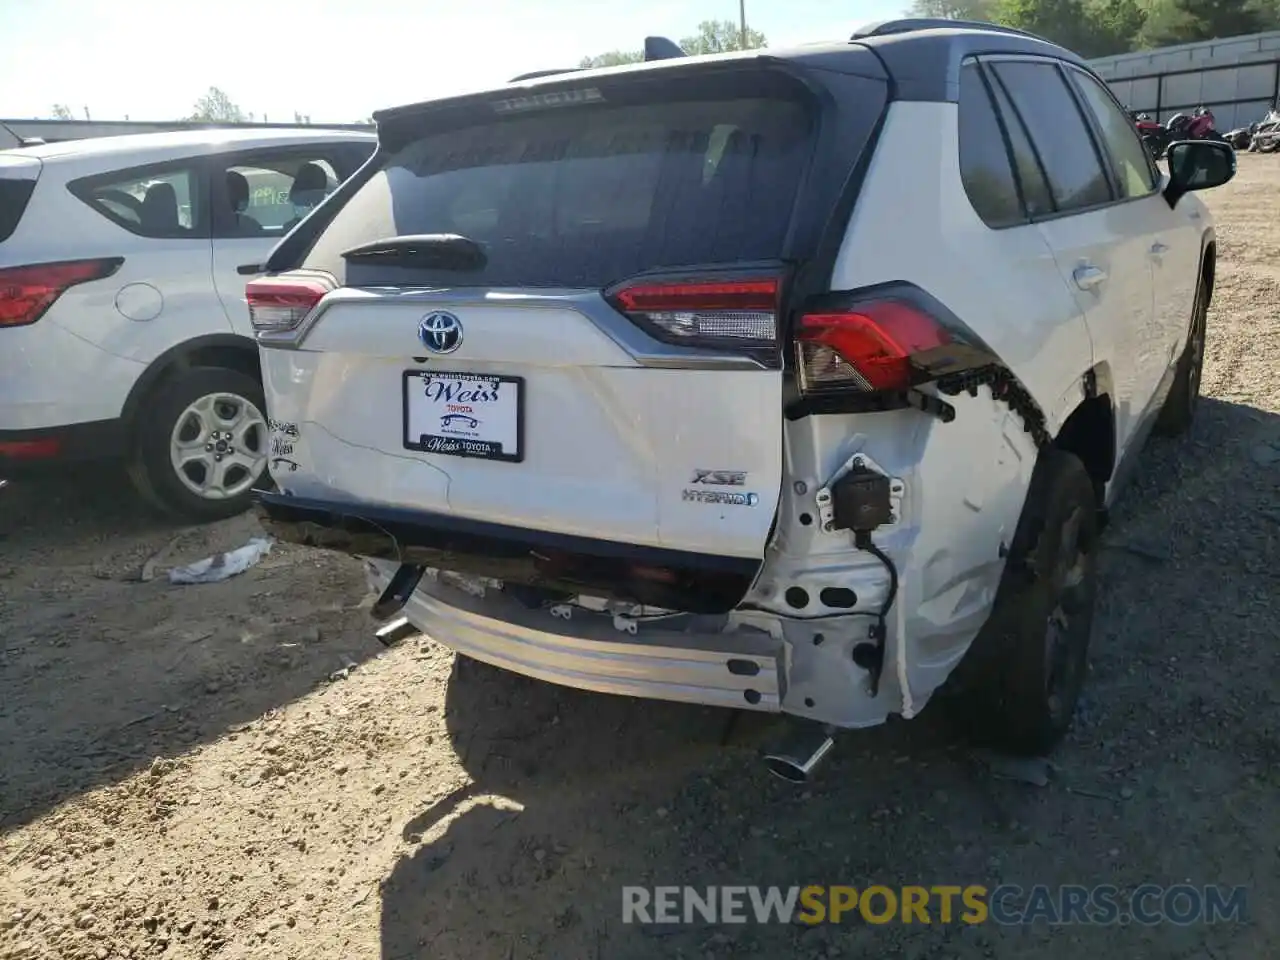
[(1198, 165)]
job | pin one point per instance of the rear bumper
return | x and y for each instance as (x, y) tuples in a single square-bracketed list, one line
[(32, 452), (741, 669)]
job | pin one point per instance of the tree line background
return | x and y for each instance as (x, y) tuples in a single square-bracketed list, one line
[(1092, 28), (1100, 28)]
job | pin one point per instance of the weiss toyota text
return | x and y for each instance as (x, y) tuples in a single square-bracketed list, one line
[(793, 381), (124, 333)]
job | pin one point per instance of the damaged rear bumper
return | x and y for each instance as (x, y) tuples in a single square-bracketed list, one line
[(690, 658), (739, 669)]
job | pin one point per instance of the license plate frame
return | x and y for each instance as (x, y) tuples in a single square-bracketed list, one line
[(444, 444)]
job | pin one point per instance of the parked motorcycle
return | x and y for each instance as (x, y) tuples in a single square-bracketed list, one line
[(1241, 138), (1201, 125), (1155, 135), (1266, 133)]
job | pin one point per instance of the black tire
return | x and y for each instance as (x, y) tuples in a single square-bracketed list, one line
[(1179, 410), (1019, 684), (151, 468)]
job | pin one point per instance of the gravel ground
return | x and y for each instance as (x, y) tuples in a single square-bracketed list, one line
[(240, 770)]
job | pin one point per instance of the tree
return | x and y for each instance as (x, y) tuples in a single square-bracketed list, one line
[(955, 9), (1099, 28), (613, 58), (713, 36), (216, 107), (721, 36), (61, 112)]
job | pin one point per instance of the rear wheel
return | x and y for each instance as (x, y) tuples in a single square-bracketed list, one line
[(1021, 680), (1180, 405), (202, 444)]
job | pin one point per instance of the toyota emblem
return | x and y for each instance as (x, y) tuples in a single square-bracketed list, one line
[(440, 332)]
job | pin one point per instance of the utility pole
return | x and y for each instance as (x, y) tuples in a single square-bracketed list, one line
[(742, 20)]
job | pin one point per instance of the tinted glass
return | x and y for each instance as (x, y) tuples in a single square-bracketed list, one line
[(1128, 157), (14, 195), (163, 202), (1047, 108), (984, 162), (563, 199), (1031, 178)]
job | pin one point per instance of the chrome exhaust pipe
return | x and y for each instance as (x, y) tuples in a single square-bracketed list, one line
[(800, 752)]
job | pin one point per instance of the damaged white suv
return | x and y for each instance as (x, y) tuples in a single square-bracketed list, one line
[(784, 381)]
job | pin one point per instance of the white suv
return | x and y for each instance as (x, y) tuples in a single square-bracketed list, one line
[(791, 377), (123, 326)]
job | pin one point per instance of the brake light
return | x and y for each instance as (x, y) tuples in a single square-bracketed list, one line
[(741, 313), (869, 347), (26, 293), (278, 304)]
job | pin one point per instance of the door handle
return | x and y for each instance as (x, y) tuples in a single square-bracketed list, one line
[(1089, 277), (1158, 248), (250, 269)]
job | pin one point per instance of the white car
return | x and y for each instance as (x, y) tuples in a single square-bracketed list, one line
[(124, 331), (798, 377)]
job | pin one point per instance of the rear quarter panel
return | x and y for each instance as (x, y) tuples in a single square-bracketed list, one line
[(966, 480), (162, 295)]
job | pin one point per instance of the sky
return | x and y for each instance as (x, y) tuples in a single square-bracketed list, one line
[(339, 60)]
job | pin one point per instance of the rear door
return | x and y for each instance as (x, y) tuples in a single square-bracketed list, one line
[(255, 203), (608, 366), (1101, 244), (1173, 235)]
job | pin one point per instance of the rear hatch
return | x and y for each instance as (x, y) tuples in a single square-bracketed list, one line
[(560, 309)]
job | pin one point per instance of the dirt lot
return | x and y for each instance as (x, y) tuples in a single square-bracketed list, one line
[(240, 770)]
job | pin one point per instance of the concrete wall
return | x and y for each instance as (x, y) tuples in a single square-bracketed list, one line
[(1238, 78)]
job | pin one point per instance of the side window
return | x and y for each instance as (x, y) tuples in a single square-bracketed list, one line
[(1031, 178), (984, 162), (264, 195), (162, 202), (1133, 167), (1063, 142)]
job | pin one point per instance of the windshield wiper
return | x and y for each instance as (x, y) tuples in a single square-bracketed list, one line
[(441, 251)]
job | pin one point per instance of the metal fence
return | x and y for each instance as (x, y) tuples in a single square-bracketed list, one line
[(1237, 78)]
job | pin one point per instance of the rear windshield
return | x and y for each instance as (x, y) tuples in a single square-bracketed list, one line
[(14, 195), (580, 198)]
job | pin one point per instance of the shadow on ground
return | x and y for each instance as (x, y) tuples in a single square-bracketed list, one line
[(101, 672), (1168, 777)]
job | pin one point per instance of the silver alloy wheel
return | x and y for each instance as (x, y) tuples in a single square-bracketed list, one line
[(218, 447)]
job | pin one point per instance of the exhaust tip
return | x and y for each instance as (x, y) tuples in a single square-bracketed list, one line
[(796, 761), (784, 768)]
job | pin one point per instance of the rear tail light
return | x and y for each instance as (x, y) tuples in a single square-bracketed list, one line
[(26, 293), (875, 346), (280, 304), (734, 313), (41, 449)]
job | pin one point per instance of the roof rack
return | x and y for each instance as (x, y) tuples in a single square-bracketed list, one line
[(660, 48), (910, 24), (535, 74)]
